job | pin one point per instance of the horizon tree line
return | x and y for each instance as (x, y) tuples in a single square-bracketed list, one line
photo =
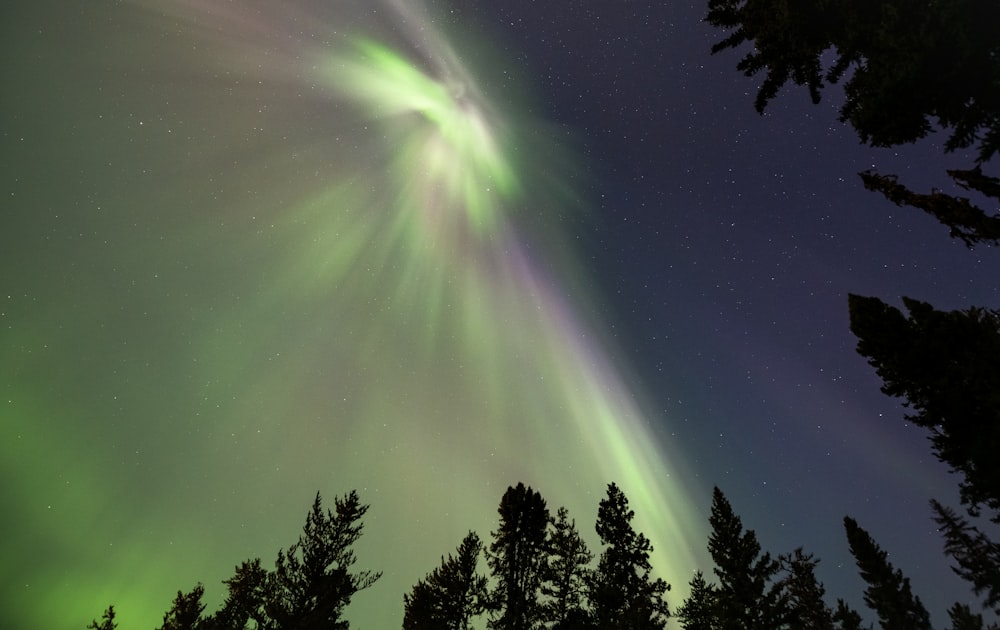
[(541, 576)]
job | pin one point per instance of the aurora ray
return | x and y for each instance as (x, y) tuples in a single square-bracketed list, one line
[(342, 276)]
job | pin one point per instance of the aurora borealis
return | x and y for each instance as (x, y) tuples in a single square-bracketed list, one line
[(427, 249), (254, 261)]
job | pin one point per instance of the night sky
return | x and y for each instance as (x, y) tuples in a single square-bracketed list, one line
[(255, 250)]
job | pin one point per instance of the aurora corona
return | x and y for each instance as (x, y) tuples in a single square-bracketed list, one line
[(343, 272)]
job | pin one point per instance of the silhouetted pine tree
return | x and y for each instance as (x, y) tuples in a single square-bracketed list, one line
[(804, 593), (888, 592), (246, 598), (947, 367), (747, 597), (977, 556), (623, 593), (185, 613), (451, 595), (699, 610), (517, 558), (846, 617), (107, 621), (911, 67), (964, 619), (965, 220), (312, 584), (566, 575)]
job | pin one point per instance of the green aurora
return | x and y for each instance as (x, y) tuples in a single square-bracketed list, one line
[(250, 254)]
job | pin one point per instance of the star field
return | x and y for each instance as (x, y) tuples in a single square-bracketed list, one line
[(426, 251)]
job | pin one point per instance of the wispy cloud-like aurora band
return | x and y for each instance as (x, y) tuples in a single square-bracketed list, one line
[(400, 317)]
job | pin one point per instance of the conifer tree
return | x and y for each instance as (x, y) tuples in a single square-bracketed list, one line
[(517, 558), (246, 598), (804, 593), (908, 65), (911, 67), (185, 613), (888, 592), (698, 612), (978, 557), (107, 621), (566, 575), (962, 618), (747, 596), (623, 592), (946, 365), (846, 618), (451, 595), (312, 583), (964, 219)]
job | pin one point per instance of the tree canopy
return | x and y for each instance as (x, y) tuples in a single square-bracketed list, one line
[(909, 65), (747, 598), (946, 365), (312, 583), (556, 589), (888, 592), (910, 68), (624, 593), (451, 595), (517, 558)]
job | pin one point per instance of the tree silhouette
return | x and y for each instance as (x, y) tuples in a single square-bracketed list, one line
[(962, 618), (246, 598), (185, 613), (788, 41), (451, 595), (804, 593), (747, 597), (909, 65), (623, 593), (966, 220), (947, 367), (309, 587), (517, 557), (311, 583), (107, 621), (700, 610), (888, 592), (566, 575), (977, 556), (846, 617)]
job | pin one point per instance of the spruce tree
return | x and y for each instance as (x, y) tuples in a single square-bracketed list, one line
[(312, 582), (107, 621), (978, 556), (964, 219), (451, 595), (517, 558), (623, 592), (888, 592), (962, 618), (747, 596), (909, 65), (185, 613), (910, 68), (566, 575), (846, 618), (804, 592), (699, 610), (246, 598), (946, 365)]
